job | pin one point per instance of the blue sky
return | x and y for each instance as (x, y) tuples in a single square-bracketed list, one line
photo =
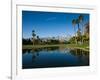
[(49, 24)]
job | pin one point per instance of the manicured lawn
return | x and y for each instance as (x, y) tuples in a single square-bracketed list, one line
[(76, 46), (39, 46)]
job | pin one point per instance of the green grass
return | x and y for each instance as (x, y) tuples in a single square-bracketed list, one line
[(79, 46), (40, 46), (76, 46)]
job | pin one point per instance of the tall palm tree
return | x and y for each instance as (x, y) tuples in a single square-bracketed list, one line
[(81, 18), (78, 22), (33, 35), (74, 24), (38, 39), (79, 30), (87, 31)]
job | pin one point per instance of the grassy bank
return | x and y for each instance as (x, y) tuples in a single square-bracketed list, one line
[(83, 47)]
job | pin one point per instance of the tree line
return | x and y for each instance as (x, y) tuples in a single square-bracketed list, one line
[(81, 30), (81, 35)]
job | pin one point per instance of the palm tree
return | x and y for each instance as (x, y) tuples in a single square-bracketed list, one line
[(79, 30), (33, 35), (38, 39), (81, 18), (74, 23), (77, 22), (86, 32)]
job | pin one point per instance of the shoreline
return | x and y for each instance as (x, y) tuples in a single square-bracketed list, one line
[(72, 46)]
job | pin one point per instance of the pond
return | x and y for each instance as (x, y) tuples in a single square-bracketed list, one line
[(54, 57)]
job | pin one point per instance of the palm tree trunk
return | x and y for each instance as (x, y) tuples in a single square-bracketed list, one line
[(33, 41), (75, 35), (78, 26), (82, 33)]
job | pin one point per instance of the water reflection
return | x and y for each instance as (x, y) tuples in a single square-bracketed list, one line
[(54, 57), (82, 56), (35, 54), (76, 52)]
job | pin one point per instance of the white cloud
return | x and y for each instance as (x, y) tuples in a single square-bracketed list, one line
[(51, 18)]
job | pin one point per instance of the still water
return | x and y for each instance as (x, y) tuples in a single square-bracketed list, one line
[(54, 57)]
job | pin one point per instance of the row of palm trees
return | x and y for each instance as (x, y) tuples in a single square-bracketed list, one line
[(37, 40), (78, 29), (79, 32)]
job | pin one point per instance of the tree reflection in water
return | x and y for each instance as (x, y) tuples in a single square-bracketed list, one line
[(26, 51), (81, 56), (35, 54), (35, 51)]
